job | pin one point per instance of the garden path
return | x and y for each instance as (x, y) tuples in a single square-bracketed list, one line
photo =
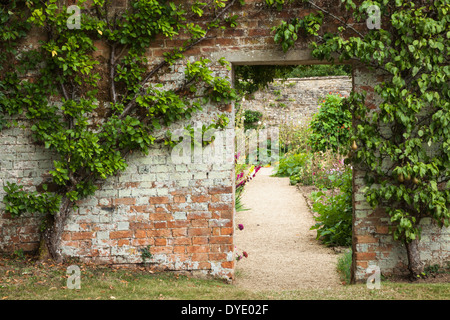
[(283, 253)]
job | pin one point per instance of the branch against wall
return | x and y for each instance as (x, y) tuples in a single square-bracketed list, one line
[(93, 96)]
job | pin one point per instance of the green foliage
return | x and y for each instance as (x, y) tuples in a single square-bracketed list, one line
[(293, 138), (238, 204), (19, 254), (19, 201), (403, 144), (250, 79), (293, 166), (251, 118), (319, 70), (91, 112), (277, 3), (318, 169), (13, 27), (146, 254), (334, 220), (287, 33), (330, 126)]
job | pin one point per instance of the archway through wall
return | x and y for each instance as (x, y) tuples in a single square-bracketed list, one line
[(273, 230)]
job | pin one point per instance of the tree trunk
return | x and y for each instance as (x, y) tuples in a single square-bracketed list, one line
[(415, 265), (51, 237)]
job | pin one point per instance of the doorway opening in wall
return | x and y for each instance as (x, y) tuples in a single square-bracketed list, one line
[(293, 187)]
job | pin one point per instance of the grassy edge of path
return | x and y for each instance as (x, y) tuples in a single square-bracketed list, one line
[(23, 279)]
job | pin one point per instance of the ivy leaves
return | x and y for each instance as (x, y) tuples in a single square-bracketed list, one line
[(70, 115), (18, 201), (402, 144)]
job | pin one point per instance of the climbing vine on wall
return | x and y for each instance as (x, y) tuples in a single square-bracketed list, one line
[(404, 142), (93, 113)]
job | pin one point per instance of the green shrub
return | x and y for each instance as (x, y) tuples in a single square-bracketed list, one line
[(292, 165), (330, 126), (334, 220)]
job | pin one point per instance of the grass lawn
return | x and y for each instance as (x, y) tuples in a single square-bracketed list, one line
[(23, 279)]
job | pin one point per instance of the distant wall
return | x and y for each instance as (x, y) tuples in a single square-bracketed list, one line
[(295, 99)]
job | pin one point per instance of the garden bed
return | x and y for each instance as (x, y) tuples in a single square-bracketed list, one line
[(306, 191)]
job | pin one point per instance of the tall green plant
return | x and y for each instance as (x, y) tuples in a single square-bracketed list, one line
[(334, 213), (330, 126)]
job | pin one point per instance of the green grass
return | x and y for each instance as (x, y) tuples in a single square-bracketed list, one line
[(22, 279), (344, 265)]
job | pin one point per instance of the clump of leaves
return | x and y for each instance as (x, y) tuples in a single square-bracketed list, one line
[(334, 213), (62, 105), (330, 126), (146, 254)]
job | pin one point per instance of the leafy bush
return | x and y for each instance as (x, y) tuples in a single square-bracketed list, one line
[(330, 126), (293, 138), (334, 220), (318, 168), (251, 118), (344, 266), (327, 176)]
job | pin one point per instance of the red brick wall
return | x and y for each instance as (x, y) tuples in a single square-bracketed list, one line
[(185, 212)]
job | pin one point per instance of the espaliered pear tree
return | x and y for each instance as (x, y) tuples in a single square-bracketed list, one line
[(404, 143), (93, 111)]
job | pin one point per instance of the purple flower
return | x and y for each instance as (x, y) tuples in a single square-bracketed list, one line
[(241, 226)]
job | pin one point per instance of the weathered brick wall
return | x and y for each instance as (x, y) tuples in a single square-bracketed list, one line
[(294, 100), (182, 212), (186, 212), (373, 245)]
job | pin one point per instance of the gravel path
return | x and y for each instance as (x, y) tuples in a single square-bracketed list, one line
[(283, 253)]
